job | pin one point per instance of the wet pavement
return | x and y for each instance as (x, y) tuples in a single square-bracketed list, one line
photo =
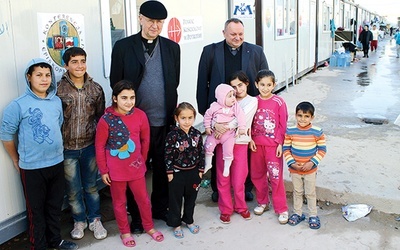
[(356, 107)]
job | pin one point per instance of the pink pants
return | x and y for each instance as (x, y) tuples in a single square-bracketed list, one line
[(227, 140), (266, 167), (236, 179), (138, 188)]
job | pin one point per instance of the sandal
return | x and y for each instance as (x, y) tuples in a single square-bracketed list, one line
[(314, 222), (128, 241), (178, 233), (194, 229), (156, 235), (283, 217), (296, 219)]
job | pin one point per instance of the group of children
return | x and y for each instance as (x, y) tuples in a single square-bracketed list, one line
[(302, 146), (120, 136)]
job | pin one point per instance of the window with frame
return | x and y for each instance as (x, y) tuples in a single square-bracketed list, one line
[(285, 18), (327, 11)]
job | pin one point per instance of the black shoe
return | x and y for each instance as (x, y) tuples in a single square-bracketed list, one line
[(136, 228), (67, 245), (214, 196), (248, 196)]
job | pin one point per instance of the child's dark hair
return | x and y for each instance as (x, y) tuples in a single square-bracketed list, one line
[(239, 75), (182, 106), (120, 86), (71, 52), (306, 107), (265, 73), (42, 65)]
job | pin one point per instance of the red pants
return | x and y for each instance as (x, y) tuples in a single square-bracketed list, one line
[(236, 179), (374, 45), (266, 167), (138, 188)]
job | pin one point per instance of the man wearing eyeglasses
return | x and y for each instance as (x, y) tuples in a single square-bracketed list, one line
[(152, 63)]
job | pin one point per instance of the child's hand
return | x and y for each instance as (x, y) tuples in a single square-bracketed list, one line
[(106, 179), (208, 131), (170, 177), (201, 175), (16, 165), (241, 132), (307, 166), (252, 146), (296, 166), (279, 151)]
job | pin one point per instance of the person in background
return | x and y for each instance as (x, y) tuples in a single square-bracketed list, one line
[(152, 63), (83, 104), (268, 133), (217, 62), (122, 145), (36, 118), (303, 150), (240, 165), (396, 37), (375, 37), (184, 159), (365, 38)]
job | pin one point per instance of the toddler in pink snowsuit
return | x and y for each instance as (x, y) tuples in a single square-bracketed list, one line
[(224, 110)]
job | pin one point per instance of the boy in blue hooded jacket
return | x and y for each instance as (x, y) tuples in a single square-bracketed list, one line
[(36, 118)]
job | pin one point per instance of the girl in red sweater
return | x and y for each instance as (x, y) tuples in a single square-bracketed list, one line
[(122, 143)]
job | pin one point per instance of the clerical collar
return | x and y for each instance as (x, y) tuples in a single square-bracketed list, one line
[(233, 49), (149, 46), (149, 41)]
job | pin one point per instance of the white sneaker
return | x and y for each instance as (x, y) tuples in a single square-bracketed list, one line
[(77, 233), (97, 228), (260, 209), (283, 217)]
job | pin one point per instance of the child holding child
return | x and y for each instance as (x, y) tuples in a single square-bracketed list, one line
[(224, 110)]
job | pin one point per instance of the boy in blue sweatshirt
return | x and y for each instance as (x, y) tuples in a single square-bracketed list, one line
[(36, 118)]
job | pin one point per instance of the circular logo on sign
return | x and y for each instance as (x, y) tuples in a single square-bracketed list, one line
[(174, 30), (61, 36)]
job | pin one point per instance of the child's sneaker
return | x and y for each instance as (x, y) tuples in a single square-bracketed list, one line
[(78, 232), (283, 217), (260, 209), (225, 218), (246, 215), (97, 228)]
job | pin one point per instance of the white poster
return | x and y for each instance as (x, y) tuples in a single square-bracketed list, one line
[(183, 29), (58, 32)]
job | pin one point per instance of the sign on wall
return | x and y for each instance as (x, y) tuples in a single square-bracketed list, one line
[(58, 32), (183, 29), (243, 9)]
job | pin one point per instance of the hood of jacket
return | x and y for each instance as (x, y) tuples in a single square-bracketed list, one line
[(221, 92), (51, 92)]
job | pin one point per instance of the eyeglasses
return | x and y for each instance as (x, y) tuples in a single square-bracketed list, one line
[(157, 22)]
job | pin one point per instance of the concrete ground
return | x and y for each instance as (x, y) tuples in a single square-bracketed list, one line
[(361, 166)]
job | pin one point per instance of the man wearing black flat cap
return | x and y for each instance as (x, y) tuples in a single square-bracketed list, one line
[(152, 63)]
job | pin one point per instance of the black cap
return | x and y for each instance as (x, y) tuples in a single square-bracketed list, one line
[(153, 10)]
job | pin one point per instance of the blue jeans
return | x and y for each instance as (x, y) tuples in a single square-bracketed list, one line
[(80, 175)]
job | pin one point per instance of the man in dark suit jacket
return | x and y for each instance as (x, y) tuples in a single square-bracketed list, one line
[(152, 63), (217, 62)]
